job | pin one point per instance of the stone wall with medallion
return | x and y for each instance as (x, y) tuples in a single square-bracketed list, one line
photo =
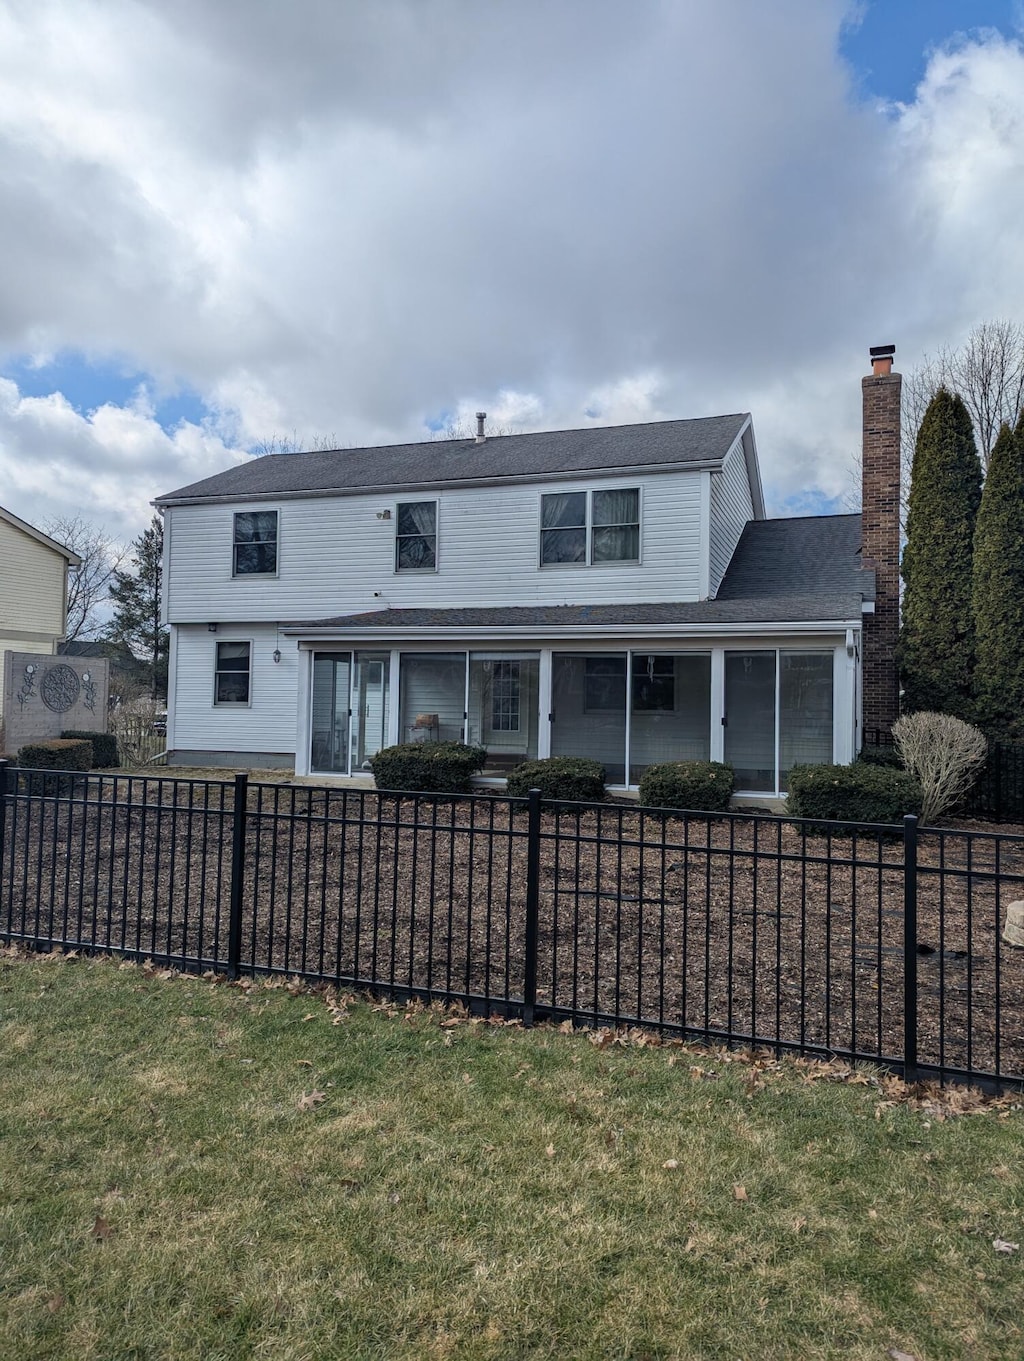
[(45, 696)]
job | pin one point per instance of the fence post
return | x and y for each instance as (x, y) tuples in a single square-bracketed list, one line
[(910, 948), (3, 819), (532, 905), (237, 873)]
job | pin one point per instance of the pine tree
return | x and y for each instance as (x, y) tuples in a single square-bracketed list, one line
[(137, 600), (936, 652), (999, 589)]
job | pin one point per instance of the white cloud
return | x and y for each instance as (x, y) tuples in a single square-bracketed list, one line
[(341, 219)]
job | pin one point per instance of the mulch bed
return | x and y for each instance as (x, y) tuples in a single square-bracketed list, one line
[(736, 927)]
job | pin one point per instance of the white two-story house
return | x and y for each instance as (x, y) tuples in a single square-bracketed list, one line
[(610, 592)]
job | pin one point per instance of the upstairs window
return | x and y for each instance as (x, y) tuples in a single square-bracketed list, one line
[(255, 543), (231, 682), (589, 527), (416, 536)]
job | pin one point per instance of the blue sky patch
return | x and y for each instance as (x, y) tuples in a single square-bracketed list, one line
[(87, 385), (888, 49)]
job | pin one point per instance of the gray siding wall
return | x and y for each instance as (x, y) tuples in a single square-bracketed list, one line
[(731, 508)]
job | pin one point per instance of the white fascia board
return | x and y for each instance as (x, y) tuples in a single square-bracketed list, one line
[(543, 634), (749, 452), (453, 484)]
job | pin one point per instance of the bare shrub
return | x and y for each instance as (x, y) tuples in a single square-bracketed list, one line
[(137, 725), (945, 754)]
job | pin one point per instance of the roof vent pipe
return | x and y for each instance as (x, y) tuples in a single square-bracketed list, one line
[(481, 416)]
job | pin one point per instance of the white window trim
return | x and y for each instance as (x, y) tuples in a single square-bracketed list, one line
[(232, 703), (257, 576), (418, 571), (588, 528)]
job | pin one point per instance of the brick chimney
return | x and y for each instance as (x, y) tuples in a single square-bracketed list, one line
[(880, 538)]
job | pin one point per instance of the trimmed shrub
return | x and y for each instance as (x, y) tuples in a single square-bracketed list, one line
[(880, 756), (573, 779), (857, 793), (945, 754), (58, 754), (689, 786), (104, 747), (427, 767)]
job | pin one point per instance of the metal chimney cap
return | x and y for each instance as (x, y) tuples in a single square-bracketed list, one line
[(481, 416), (881, 351)]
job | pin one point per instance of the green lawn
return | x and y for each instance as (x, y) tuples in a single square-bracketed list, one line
[(194, 1170)]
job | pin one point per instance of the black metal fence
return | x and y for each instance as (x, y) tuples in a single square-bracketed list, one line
[(997, 795), (852, 940)]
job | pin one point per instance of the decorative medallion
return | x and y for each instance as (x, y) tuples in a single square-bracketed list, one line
[(60, 688)]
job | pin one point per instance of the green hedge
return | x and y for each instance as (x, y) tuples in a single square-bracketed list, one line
[(427, 767), (58, 754), (104, 747), (855, 793), (689, 786), (575, 779)]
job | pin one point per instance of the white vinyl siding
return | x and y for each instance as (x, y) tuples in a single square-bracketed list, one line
[(731, 508), (266, 723), (337, 555)]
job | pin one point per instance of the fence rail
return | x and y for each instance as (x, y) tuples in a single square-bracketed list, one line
[(861, 941)]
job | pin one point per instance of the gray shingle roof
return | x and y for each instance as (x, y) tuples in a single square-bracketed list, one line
[(811, 555), (783, 571), (791, 609), (704, 440)]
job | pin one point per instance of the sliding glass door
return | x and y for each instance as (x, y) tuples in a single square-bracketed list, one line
[(778, 713)]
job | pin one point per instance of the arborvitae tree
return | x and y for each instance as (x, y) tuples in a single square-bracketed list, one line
[(999, 589), (936, 652), (136, 597)]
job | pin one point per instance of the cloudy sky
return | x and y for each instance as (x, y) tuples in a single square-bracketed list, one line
[(228, 222)]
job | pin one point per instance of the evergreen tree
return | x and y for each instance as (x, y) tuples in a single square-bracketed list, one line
[(137, 599), (999, 589), (936, 651)]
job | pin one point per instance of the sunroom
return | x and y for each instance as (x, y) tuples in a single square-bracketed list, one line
[(763, 704)]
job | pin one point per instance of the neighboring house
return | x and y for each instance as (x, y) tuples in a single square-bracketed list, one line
[(33, 589), (607, 592), (129, 677)]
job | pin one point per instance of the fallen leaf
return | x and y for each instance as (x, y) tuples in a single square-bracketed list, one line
[(739, 1192), (309, 1016), (394, 1198), (101, 1229), (310, 1099), (55, 1303), (566, 1028), (895, 1354), (304, 1063), (799, 1223), (550, 1150), (671, 1164), (1001, 1245), (467, 1079), (689, 1245), (872, 1214)]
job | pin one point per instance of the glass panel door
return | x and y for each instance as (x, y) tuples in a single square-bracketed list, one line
[(331, 701), (805, 710), (588, 704), (503, 707), (750, 719), (670, 710), (433, 697), (370, 699)]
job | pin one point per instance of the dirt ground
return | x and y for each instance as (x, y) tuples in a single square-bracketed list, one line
[(742, 927)]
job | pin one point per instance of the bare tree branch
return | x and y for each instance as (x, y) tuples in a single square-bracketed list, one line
[(89, 585)]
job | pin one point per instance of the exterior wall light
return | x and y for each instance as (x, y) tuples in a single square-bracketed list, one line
[(277, 654)]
